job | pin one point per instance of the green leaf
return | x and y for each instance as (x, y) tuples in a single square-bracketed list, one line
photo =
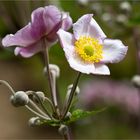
[(80, 114), (50, 122), (76, 115)]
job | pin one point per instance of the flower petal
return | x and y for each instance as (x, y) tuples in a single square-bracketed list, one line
[(87, 26), (29, 50), (38, 26), (80, 66), (55, 21), (67, 21), (52, 16), (101, 69), (113, 51), (67, 42), (21, 38)]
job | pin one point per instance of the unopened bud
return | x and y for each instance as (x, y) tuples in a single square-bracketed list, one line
[(107, 17), (63, 129), (77, 91), (96, 8), (40, 95), (20, 98), (136, 80), (34, 121), (121, 18), (125, 6), (54, 69), (68, 115), (83, 2)]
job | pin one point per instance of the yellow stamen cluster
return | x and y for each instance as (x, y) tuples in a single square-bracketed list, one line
[(89, 49)]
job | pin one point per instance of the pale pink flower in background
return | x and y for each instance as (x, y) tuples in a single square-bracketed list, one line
[(110, 92), (87, 49), (45, 22)]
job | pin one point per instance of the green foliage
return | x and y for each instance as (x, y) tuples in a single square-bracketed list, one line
[(77, 114)]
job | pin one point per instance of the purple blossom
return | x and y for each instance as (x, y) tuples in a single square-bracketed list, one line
[(45, 22), (110, 92), (87, 49)]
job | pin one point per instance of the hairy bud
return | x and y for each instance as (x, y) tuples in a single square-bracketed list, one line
[(54, 69), (121, 18), (39, 95), (34, 121), (136, 80), (77, 91), (20, 98), (125, 6), (63, 129)]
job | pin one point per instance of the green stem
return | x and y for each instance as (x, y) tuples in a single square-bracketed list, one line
[(66, 109)]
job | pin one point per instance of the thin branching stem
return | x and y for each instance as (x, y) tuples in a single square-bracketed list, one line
[(36, 113), (46, 57), (67, 107), (37, 108), (7, 85)]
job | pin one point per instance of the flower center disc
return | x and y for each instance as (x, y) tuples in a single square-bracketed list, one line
[(89, 49)]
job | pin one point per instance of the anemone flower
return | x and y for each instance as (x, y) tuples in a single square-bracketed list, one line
[(87, 49), (45, 22)]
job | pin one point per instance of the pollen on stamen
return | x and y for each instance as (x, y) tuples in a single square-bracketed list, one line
[(89, 49)]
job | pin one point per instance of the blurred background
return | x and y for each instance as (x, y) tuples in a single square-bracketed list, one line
[(121, 119)]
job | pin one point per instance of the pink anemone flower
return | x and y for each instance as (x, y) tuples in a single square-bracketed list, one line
[(87, 49), (45, 22)]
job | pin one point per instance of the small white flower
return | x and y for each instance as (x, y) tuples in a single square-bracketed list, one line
[(87, 49)]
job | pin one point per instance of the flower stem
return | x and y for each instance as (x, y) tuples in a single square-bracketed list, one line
[(54, 94), (66, 109), (136, 35), (7, 85), (66, 136), (46, 57), (36, 113), (50, 78)]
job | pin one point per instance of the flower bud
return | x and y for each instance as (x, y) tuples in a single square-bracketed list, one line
[(83, 2), (107, 17), (125, 6), (34, 121), (68, 115), (136, 80), (77, 91), (40, 95), (121, 18), (20, 98), (63, 129), (54, 69)]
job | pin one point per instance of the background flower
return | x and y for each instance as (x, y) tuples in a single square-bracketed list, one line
[(45, 22)]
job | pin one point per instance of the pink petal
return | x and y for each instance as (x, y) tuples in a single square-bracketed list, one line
[(55, 21), (21, 38), (113, 51), (38, 25), (87, 26), (29, 50), (67, 21), (67, 42), (52, 16), (101, 69)]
